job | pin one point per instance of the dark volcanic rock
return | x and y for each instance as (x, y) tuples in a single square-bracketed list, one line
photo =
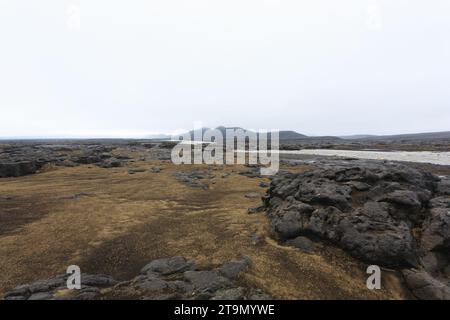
[(168, 278), (24, 158), (233, 269), (325, 192), (208, 281), (425, 287), (136, 170), (195, 178), (359, 186), (111, 163), (302, 243), (435, 240), (47, 289), (375, 224), (253, 172), (444, 186), (168, 144), (168, 266), (21, 168), (156, 169), (264, 184), (288, 219), (255, 210), (404, 198), (99, 280), (383, 213)]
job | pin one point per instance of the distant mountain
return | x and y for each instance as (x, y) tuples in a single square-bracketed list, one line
[(291, 135), (357, 136), (283, 135), (411, 136), (323, 138)]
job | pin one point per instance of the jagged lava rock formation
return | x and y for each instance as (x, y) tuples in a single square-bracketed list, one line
[(167, 278), (383, 213)]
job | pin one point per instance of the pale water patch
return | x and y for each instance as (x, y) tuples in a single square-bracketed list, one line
[(192, 142), (442, 158)]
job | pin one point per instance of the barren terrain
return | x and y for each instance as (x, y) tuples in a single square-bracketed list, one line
[(112, 222)]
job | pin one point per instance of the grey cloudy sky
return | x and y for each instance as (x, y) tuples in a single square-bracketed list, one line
[(128, 68)]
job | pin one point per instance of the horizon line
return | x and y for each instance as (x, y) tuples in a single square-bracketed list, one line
[(154, 136)]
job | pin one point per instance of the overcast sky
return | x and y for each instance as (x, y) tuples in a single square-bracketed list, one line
[(135, 67)]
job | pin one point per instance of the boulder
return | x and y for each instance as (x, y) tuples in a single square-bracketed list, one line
[(444, 186), (435, 240), (168, 266), (17, 169), (368, 208), (209, 281), (152, 285), (167, 278), (383, 213), (405, 198), (264, 184), (425, 287), (301, 243), (233, 269)]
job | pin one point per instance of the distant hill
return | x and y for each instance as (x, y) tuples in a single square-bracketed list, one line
[(358, 136), (291, 135), (283, 135), (323, 138), (411, 136)]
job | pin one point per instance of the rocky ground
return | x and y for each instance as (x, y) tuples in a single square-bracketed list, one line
[(18, 158), (169, 278), (384, 213), (307, 233)]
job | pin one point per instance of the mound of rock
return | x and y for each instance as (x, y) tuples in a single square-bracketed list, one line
[(55, 288), (169, 278), (19, 168), (195, 178), (23, 158), (384, 213)]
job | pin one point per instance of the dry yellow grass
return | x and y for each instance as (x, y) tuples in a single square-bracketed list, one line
[(123, 221)]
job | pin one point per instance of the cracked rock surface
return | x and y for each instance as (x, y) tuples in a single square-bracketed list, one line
[(384, 213), (168, 278)]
